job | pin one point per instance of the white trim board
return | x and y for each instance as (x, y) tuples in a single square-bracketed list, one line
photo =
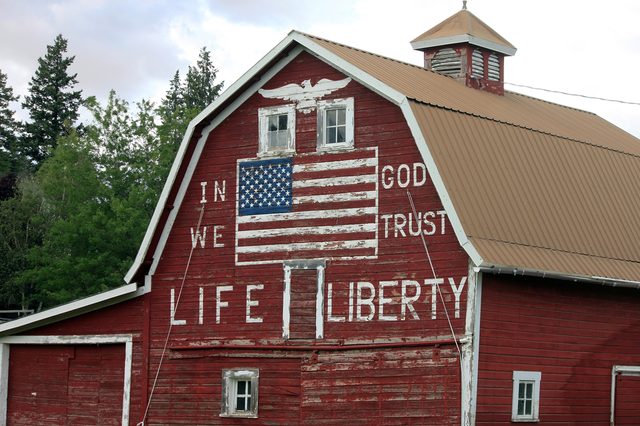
[(126, 339), (71, 309)]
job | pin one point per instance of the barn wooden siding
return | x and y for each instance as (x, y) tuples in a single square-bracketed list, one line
[(405, 371), (79, 384), (573, 333)]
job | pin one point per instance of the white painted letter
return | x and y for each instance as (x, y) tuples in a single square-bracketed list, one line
[(385, 300), (400, 221), (219, 191), (219, 302), (197, 237), (368, 301), (330, 317), (387, 182), (442, 215), (434, 283), (203, 200), (417, 221), (405, 168), (416, 167), (386, 218), (172, 311), (216, 244), (201, 306), (407, 302), (430, 227), (457, 291), (251, 303)]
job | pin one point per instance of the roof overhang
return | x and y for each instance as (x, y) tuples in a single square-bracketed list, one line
[(71, 309), (464, 38), (515, 271)]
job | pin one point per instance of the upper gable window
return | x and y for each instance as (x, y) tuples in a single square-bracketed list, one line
[(240, 392), (335, 124), (277, 129)]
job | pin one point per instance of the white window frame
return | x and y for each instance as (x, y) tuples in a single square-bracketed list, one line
[(230, 379), (263, 123), (526, 376), (323, 107)]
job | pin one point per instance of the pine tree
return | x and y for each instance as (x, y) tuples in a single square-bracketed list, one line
[(52, 103), (9, 128), (200, 88)]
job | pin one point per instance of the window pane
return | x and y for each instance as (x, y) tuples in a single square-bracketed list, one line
[(240, 404), (342, 134), (272, 123), (529, 390), (342, 116), (248, 387), (282, 122), (521, 389), (520, 407), (241, 387), (527, 407), (331, 135), (331, 118)]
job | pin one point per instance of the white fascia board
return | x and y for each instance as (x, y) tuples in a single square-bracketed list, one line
[(349, 69), (71, 309), (436, 178), (464, 38), (224, 97)]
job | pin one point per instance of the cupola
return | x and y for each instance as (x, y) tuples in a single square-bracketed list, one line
[(467, 49)]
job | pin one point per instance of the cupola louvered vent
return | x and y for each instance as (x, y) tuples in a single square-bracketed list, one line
[(477, 64), (447, 61), (494, 67)]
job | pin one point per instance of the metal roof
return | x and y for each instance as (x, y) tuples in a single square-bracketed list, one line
[(463, 27), (535, 185)]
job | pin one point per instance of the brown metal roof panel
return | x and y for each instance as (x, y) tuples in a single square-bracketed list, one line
[(532, 189), (436, 89), (511, 256)]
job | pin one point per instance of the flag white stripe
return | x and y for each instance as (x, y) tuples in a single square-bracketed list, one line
[(308, 230), (314, 214), (335, 165), (335, 198), (335, 181), (282, 259), (320, 245)]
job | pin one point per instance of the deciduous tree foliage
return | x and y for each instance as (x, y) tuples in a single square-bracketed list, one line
[(73, 228)]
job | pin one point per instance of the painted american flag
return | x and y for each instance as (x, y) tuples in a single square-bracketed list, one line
[(316, 205)]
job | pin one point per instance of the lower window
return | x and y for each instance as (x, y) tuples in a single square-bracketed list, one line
[(240, 392), (526, 396)]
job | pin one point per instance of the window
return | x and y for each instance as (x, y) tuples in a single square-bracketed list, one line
[(277, 129), (335, 124), (240, 392), (526, 396)]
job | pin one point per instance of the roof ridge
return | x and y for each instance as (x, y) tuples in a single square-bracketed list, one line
[(520, 126), (554, 249), (369, 52)]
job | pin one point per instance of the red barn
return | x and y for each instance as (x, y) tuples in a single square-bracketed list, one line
[(348, 239)]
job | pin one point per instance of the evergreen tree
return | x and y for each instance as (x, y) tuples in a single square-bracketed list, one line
[(200, 88), (9, 129), (52, 103)]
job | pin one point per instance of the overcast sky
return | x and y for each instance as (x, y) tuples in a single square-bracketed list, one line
[(586, 47)]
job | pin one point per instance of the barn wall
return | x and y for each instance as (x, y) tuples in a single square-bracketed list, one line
[(226, 307), (573, 333), (80, 383)]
